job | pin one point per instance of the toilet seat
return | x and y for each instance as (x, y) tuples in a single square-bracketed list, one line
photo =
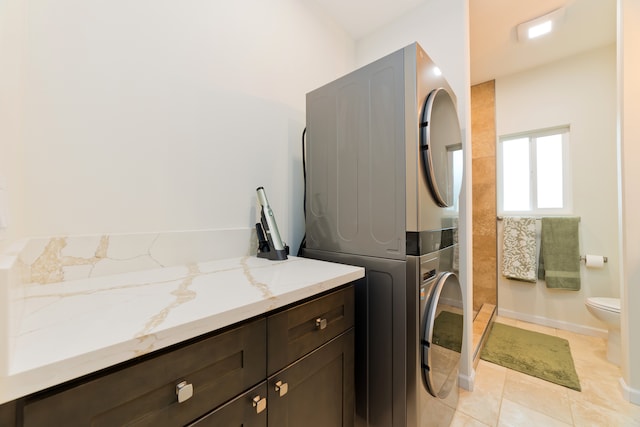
[(604, 303)]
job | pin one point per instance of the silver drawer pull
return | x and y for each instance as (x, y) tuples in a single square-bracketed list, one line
[(184, 391), (321, 323), (260, 403), (282, 388)]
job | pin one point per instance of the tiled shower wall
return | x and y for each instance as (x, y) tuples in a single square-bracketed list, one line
[(483, 154)]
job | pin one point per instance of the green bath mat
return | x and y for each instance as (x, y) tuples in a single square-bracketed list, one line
[(532, 353), (447, 330)]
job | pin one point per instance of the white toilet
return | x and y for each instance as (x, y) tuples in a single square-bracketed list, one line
[(608, 311)]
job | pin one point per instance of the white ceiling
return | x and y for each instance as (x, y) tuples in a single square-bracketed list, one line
[(495, 51), (361, 17)]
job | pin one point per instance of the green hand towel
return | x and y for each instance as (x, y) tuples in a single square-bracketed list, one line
[(559, 263)]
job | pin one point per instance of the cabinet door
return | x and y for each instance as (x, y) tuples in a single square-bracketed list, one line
[(317, 390), (8, 414), (247, 410), (297, 331), (218, 368)]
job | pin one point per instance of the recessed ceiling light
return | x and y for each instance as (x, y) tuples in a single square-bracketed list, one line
[(540, 29), (541, 25)]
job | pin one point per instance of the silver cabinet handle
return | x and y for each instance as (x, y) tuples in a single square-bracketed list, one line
[(282, 388), (260, 403), (321, 323), (184, 391)]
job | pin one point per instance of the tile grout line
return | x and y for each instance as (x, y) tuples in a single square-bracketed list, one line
[(504, 384), (573, 419)]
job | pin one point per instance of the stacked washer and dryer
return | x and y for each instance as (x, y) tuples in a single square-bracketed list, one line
[(384, 166)]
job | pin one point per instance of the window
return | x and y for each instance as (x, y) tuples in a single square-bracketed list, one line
[(533, 173), (455, 160)]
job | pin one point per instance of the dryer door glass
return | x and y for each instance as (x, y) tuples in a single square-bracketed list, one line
[(443, 328), (440, 138)]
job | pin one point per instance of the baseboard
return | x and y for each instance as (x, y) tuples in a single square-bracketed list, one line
[(467, 382), (629, 393), (558, 324)]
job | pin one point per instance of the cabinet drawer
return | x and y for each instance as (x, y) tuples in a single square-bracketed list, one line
[(240, 412), (219, 368), (297, 331)]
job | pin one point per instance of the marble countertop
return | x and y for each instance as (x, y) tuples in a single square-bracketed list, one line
[(73, 328)]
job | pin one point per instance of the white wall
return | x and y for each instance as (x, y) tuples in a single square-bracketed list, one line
[(158, 115), (629, 196), (11, 85), (579, 91), (441, 27)]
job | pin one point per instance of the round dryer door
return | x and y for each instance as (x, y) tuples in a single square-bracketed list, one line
[(440, 137), (442, 339)]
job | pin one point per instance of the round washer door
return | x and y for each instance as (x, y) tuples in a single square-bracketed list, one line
[(442, 336), (440, 136)]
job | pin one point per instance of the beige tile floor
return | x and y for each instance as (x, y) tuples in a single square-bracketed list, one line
[(503, 397)]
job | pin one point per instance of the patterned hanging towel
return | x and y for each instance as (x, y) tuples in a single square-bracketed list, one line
[(560, 253), (519, 248)]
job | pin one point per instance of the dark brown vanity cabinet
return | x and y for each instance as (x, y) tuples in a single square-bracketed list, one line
[(317, 390), (310, 363), (247, 410), (300, 329), (310, 383), (204, 375), (8, 414), (292, 367)]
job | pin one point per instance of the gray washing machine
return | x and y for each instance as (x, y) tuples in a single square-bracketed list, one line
[(434, 394), (382, 144)]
